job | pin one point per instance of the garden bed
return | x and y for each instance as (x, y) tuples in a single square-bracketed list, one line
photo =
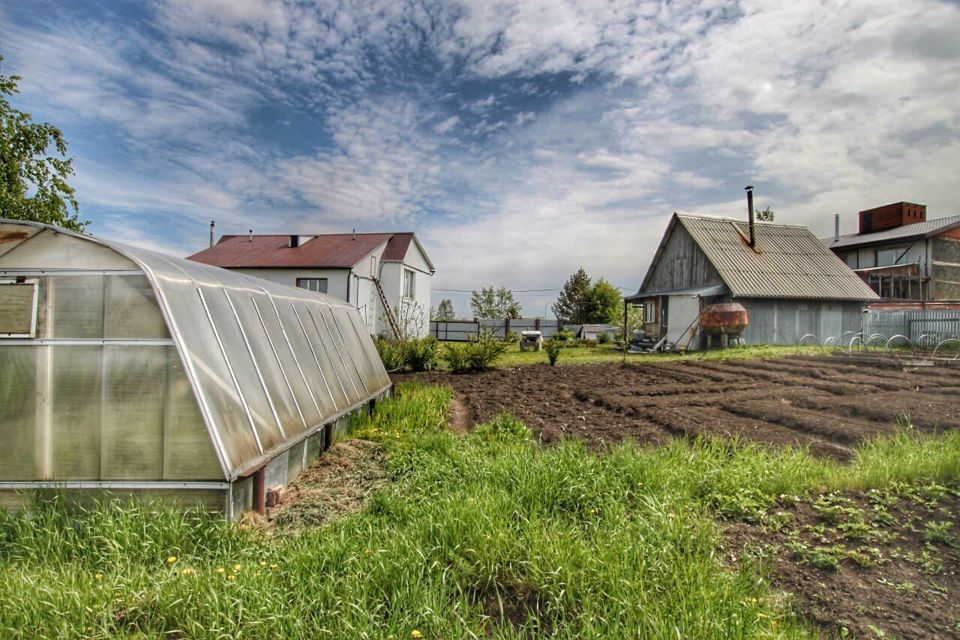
[(826, 404)]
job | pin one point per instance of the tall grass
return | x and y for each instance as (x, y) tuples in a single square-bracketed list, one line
[(485, 535)]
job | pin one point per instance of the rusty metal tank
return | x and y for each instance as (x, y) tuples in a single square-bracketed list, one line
[(728, 319)]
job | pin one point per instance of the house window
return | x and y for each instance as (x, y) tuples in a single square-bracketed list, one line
[(409, 283), (313, 284), (18, 309), (887, 257)]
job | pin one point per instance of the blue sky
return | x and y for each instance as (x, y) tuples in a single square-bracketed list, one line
[(520, 139)]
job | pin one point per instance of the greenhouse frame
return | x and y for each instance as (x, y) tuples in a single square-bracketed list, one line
[(126, 370)]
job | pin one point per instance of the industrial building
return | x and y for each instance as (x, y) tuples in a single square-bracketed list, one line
[(787, 280), (138, 373), (901, 255)]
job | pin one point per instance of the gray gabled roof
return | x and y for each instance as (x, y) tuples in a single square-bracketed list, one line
[(789, 261), (924, 229)]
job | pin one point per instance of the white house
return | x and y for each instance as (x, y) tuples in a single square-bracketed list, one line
[(356, 267)]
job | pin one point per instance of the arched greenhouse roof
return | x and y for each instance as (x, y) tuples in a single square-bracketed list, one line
[(268, 364)]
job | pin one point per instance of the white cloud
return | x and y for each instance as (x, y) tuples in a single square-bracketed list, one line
[(447, 125), (826, 106)]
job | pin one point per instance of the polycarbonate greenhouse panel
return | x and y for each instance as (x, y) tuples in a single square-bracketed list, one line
[(268, 363), (150, 368), (18, 411)]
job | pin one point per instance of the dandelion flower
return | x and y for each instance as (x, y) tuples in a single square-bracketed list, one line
[(416, 634), (274, 565), (236, 567), (171, 559), (231, 577), (220, 569), (98, 576), (262, 563)]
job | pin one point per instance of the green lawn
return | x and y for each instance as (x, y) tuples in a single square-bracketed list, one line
[(620, 545)]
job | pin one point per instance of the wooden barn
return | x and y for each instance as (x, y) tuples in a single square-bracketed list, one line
[(788, 281)]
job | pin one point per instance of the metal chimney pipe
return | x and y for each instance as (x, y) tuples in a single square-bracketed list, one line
[(213, 228), (749, 189), (251, 235), (354, 234), (836, 227)]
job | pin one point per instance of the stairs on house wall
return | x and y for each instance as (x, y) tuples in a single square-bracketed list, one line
[(391, 319)]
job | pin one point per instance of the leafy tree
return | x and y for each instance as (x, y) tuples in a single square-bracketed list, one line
[(33, 185), (766, 215), (572, 303), (444, 312), (493, 303), (604, 303)]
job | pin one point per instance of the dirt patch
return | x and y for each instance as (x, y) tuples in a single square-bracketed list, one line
[(460, 415), (828, 405), (337, 483), (870, 565), (515, 606)]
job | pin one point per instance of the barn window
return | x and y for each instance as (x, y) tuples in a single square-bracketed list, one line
[(18, 309), (649, 313), (408, 283)]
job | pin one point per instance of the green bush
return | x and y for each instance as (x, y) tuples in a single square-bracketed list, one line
[(391, 354), (416, 354), (553, 347), (562, 336), (421, 354), (477, 355), (503, 428), (603, 338)]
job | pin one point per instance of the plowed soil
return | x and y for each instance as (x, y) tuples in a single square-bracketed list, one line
[(826, 404)]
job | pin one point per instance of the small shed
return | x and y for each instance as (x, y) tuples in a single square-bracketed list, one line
[(126, 370), (788, 281), (592, 332)]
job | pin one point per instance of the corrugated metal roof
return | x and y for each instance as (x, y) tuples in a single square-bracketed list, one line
[(397, 247), (335, 251), (918, 229), (791, 261)]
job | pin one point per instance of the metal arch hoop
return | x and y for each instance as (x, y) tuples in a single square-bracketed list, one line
[(899, 335), (856, 338), (943, 342), (808, 335)]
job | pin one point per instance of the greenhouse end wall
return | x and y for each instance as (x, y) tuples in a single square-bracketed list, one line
[(137, 373)]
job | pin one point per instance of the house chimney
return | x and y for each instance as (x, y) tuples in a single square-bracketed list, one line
[(354, 234), (213, 228), (836, 227), (294, 242), (251, 235), (749, 189)]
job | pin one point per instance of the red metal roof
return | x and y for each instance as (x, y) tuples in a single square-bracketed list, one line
[(397, 247), (335, 251)]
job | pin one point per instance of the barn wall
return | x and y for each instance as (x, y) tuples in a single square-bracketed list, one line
[(786, 321), (682, 265)]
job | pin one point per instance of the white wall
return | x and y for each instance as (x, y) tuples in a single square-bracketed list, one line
[(682, 311), (363, 294), (336, 278), (867, 256)]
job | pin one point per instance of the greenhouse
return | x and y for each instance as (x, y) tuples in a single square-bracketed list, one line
[(126, 370)]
